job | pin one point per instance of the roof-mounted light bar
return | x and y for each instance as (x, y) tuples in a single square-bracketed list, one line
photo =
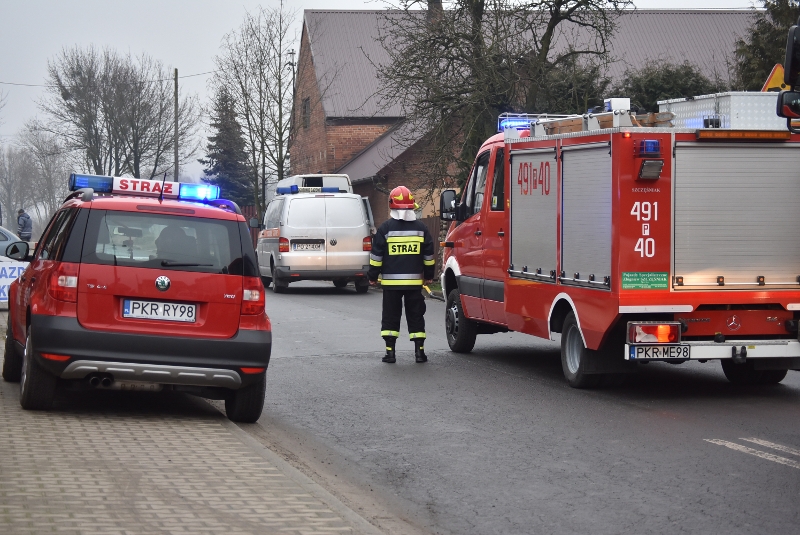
[(143, 187), (294, 188)]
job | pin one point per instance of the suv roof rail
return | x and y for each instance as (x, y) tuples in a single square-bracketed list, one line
[(226, 204), (86, 194)]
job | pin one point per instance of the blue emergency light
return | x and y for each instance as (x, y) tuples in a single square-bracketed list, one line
[(198, 192), (99, 183), (287, 191), (513, 122), (649, 147)]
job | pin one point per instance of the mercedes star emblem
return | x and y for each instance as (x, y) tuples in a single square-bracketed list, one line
[(733, 323), (162, 283), (333, 241)]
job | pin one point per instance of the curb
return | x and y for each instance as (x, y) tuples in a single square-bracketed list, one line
[(309, 485)]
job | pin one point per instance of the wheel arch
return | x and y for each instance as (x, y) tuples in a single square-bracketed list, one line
[(450, 276), (562, 305)]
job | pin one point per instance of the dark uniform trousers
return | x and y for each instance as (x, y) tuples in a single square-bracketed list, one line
[(393, 309)]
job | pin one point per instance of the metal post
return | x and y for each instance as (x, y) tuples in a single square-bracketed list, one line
[(176, 125)]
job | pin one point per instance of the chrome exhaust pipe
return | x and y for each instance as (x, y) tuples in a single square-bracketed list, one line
[(94, 381), (106, 382)]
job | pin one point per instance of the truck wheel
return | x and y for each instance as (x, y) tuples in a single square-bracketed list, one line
[(12, 363), (362, 287), (245, 405), (574, 356), (772, 377), (340, 283), (461, 331), (278, 286), (37, 387)]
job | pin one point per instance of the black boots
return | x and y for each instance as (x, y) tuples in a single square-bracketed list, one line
[(389, 357), (419, 350)]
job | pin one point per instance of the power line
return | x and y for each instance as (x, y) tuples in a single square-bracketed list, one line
[(156, 80)]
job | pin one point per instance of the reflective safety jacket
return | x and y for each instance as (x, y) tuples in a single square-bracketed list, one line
[(402, 252)]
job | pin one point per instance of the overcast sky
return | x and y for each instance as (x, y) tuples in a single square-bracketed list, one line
[(181, 33)]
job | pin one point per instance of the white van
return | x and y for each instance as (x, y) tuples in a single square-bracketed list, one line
[(315, 236)]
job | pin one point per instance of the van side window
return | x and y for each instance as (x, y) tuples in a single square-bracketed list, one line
[(477, 185), (273, 216), (499, 184)]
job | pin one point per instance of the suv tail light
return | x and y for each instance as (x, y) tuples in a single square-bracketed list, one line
[(366, 245), (654, 333), (283, 245), (253, 296), (63, 284)]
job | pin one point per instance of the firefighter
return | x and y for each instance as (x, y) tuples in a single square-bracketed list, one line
[(402, 252)]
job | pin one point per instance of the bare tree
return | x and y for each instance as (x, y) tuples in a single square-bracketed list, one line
[(114, 112), (50, 169), (17, 169), (253, 67), (456, 66)]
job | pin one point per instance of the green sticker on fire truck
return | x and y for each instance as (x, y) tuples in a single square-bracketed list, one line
[(640, 280)]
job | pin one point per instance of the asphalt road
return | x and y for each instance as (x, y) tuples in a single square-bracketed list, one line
[(497, 442)]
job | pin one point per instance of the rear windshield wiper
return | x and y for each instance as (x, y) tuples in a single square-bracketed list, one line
[(169, 263)]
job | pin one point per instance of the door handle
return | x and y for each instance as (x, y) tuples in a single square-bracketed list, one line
[(501, 233), (477, 232)]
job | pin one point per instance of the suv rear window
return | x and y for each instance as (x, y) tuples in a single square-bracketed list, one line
[(162, 242)]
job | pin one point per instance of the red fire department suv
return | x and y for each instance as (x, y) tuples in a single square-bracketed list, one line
[(141, 285)]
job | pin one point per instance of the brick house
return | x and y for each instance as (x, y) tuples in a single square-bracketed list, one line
[(341, 127)]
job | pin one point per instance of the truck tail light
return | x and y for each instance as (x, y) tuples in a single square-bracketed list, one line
[(366, 244), (253, 296), (283, 245), (654, 332), (63, 283)]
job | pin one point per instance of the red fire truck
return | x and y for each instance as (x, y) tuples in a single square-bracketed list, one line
[(667, 237)]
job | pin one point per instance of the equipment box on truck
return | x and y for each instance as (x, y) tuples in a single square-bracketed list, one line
[(635, 239)]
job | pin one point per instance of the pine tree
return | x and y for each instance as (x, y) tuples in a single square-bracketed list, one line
[(765, 44), (226, 162)]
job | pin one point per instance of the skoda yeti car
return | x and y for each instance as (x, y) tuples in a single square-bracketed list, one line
[(140, 285)]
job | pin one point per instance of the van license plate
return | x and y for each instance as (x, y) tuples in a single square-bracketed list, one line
[(154, 310), (659, 352), (307, 246)]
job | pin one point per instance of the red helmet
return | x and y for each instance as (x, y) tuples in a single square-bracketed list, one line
[(401, 199)]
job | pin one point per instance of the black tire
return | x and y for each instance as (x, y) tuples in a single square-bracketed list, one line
[(37, 387), (362, 287), (461, 331), (574, 356), (266, 281), (278, 286), (746, 374), (12, 362), (340, 283), (246, 404)]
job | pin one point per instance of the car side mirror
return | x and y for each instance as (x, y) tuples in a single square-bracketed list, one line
[(254, 223), (789, 107), (19, 251), (447, 205)]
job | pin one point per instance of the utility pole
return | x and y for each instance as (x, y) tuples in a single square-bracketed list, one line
[(176, 125)]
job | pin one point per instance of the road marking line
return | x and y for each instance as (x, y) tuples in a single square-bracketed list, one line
[(785, 449), (757, 453)]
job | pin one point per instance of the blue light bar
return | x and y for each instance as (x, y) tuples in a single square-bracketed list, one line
[(198, 192), (99, 183), (288, 191), (514, 122), (330, 189)]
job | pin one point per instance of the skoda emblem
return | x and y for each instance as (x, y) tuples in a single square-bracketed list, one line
[(733, 323), (333, 241), (162, 283)]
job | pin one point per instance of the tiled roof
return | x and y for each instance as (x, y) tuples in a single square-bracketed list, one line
[(345, 49)]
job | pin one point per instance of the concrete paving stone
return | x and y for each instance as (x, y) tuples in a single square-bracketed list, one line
[(123, 472)]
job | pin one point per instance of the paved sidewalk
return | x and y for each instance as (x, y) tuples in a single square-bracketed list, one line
[(124, 463)]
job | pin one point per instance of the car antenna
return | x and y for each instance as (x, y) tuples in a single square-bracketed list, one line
[(161, 195)]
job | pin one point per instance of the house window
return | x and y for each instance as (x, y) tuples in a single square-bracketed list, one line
[(306, 112)]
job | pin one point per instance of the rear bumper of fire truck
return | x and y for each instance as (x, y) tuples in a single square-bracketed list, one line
[(732, 349)]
